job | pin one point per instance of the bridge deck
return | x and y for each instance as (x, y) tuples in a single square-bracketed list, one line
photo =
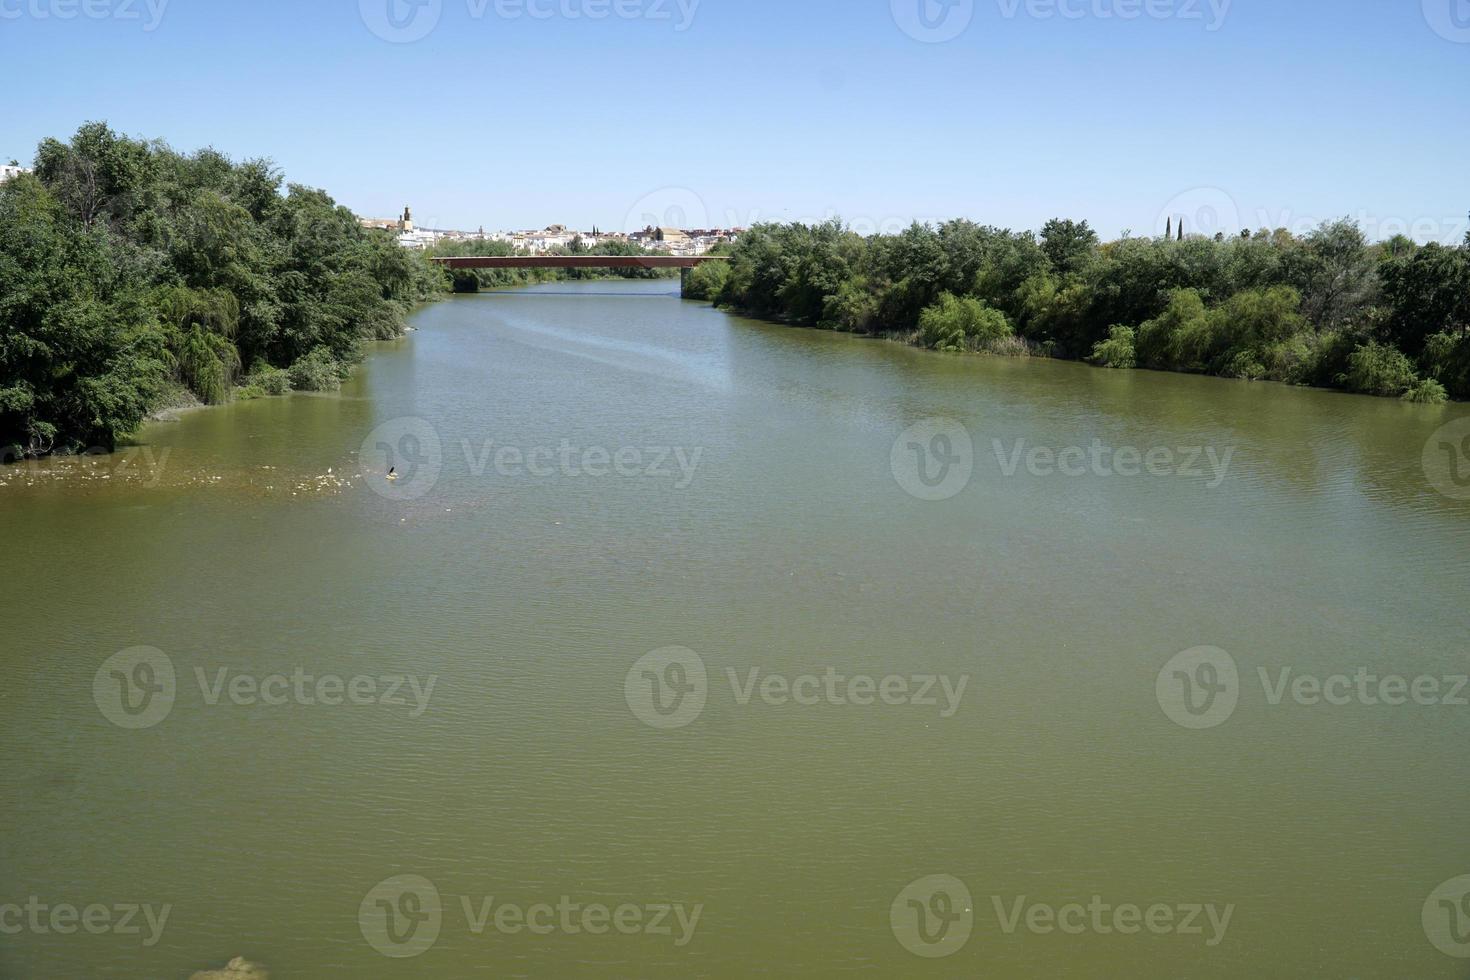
[(578, 261)]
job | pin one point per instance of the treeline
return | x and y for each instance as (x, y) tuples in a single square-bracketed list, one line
[(1326, 309), (473, 280), (130, 273)]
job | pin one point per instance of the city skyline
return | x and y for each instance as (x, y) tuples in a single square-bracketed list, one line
[(1136, 116)]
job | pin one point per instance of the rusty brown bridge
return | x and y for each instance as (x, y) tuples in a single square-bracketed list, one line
[(681, 262)]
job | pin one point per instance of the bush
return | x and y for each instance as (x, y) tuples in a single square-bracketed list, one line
[(207, 363), (1179, 338), (1117, 351), (1292, 361), (1427, 392), (852, 309), (1447, 360), (268, 380), (956, 323), (705, 281), (317, 371), (1009, 347), (1245, 366), (1378, 369)]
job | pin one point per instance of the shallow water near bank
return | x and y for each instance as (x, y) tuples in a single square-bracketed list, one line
[(592, 473)]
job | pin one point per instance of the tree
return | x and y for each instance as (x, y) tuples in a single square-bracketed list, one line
[(1068, 244)]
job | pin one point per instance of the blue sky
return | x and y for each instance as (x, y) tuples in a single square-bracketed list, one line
[(1236, 112)]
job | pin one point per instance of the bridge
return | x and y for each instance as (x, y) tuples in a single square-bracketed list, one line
[(681, 262)]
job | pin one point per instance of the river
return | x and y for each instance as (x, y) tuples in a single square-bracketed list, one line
[(687, 645)]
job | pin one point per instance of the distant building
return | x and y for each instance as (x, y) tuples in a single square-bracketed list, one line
[(8, 173), (401, 225)]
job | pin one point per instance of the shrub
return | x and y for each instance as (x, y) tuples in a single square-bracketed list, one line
[(1245, 366), (317, 371), (1427, 392), (1009, 347), (1292, 361), (853, 308), (1446, 359), (206, 364), (268, 380), (955, 323), (1117, 351), (1378, 369), (1179, 338), (705, 281)]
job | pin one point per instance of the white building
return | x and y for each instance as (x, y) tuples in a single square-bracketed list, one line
[(7, 172)]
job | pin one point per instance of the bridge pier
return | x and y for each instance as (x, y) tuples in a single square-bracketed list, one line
[(684, 281)]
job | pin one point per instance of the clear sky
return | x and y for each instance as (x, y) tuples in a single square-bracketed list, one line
[(516, 113)]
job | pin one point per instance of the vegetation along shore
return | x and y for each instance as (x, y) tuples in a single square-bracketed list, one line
[(133, 277)]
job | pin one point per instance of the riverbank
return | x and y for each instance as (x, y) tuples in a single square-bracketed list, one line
[(178, 271), (1327, 309)]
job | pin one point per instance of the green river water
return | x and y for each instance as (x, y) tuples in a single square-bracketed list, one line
[(831, 643)]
